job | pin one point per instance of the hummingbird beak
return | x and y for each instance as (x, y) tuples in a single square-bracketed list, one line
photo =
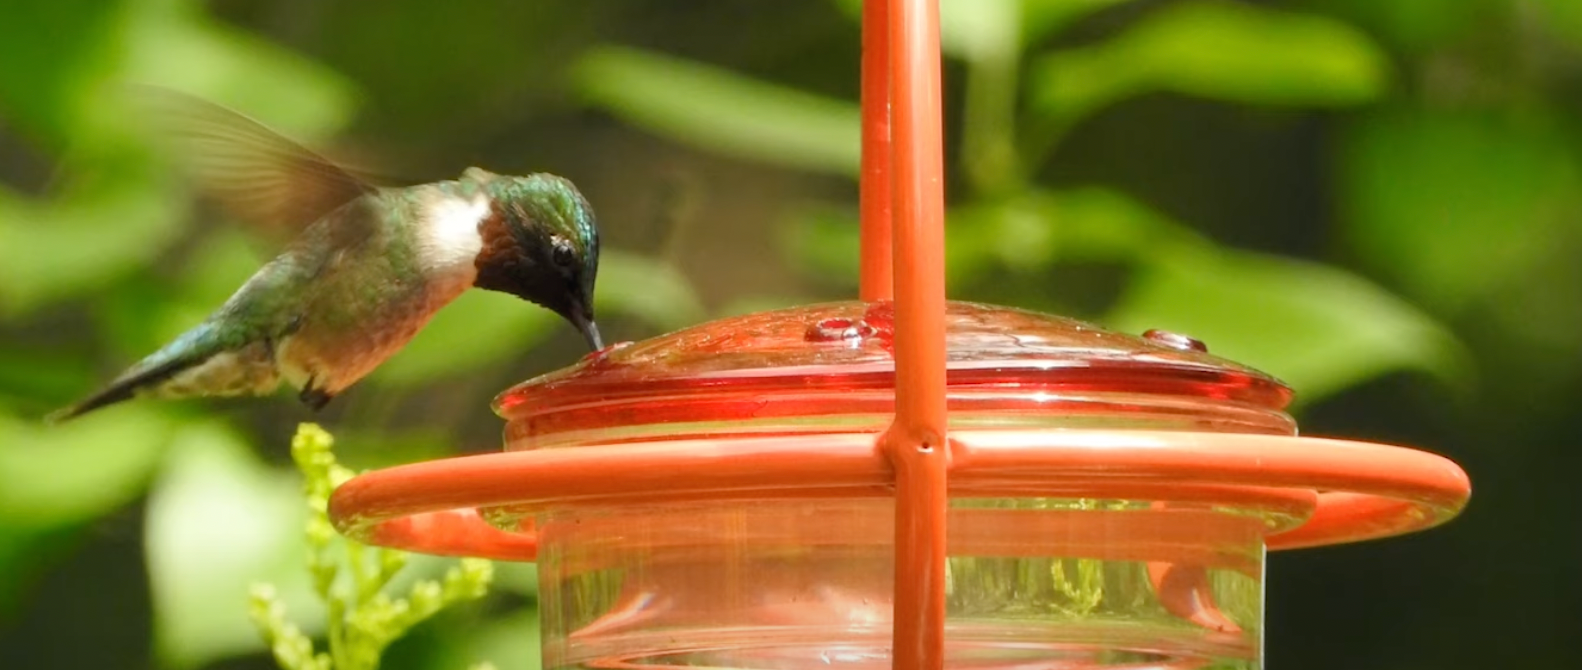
[(589, 330)]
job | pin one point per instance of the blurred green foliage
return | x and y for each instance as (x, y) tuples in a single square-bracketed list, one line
[(351, 580), (1375, 201)]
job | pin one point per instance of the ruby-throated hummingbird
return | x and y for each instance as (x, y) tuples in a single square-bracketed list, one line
[(367, 268)]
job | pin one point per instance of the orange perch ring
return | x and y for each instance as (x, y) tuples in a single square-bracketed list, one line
[(1349, 491)]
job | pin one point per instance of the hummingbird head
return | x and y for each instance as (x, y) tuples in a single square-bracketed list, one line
[(541, 244)]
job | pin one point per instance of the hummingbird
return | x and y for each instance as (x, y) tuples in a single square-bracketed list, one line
[(365, 269)]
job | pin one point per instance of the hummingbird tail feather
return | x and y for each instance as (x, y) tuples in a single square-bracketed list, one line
[(123, 388), (161, 373)]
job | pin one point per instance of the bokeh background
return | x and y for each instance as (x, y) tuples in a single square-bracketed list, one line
[(1378, 202)]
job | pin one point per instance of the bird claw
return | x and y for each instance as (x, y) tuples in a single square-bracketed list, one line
[(314, 398)]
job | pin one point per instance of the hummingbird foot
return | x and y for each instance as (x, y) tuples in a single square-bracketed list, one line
[(315, 398)]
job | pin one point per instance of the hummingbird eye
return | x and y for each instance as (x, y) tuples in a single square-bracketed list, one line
[(562, 254)]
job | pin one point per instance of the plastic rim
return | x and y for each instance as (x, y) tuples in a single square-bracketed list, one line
[(1360, 490)]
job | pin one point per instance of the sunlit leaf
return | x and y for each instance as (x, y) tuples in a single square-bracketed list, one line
[(1027, 232), (76, 471), (1456, 206), (510, 642), (113, 214), (1037, 228), (1318, 328), (715, 109), (980, 29), (56, 479), (1215, 49), (1565, 19), (647, 288), (58, 250), (177, 45), (220, 520)]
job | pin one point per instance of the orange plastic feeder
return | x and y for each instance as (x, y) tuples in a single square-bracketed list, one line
[(901, 482)]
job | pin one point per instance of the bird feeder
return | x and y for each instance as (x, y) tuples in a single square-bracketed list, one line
[(901, 481)]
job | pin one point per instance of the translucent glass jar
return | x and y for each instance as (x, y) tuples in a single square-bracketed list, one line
[(1091, 569)]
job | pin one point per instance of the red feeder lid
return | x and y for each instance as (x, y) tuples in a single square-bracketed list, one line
[(838, 359)]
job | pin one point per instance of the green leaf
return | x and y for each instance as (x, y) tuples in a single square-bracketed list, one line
[(114, 213), (220, 520), (518, 578), (1422, 26), (647, 288), (1035, 229), (82, 242), (1220, 50), (175, 44), (1424, 193), (56, 479), (825, 242), (26, 551), (511, 642), (1318, 328), (1043, 17), (1028, 232), (717, 110), (53, 50), (980, 29), (52, 476)]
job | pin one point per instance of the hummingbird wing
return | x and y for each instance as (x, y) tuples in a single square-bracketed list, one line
[(253, 172)]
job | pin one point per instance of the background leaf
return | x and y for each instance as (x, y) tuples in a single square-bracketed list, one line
[(1258, 56), (55, 481), (1425, 190), (721, 111), (59, 475), (52, 251), (1317, 328), (647, 288), (219, 520)]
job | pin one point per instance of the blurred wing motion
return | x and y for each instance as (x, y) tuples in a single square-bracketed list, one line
[(253, 172)]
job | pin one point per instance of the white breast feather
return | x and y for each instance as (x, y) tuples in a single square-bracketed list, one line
[(452, 242)]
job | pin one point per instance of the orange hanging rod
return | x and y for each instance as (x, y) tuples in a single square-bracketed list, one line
[(915, 444), (877, 188)]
